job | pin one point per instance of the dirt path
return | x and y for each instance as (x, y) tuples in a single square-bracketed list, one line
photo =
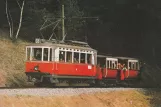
[(129, 98)]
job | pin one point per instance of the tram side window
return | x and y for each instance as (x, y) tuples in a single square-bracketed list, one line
[(111, 64), (116, 65), (130, 65), (137, 65), (69, 57), (50, 54), (89, 58), (107, 64), (45, 55), (28, 54), (37, 53), (101, 62), (82, 60), (133, 65), (76, 57), (62, 56)]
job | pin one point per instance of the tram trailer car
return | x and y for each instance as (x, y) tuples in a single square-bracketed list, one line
[(130, 69), (117, 70), (109, 68), (55, 63)]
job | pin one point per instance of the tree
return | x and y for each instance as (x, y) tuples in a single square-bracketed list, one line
[(48, 15), (10, 20)]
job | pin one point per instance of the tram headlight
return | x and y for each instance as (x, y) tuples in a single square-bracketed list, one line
[(36, 68)]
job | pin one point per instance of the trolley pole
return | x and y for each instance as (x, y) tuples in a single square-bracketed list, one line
[(63, 29)]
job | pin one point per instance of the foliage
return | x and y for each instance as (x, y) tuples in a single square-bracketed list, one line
[(48, 11)]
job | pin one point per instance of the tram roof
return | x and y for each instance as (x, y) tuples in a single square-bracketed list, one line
[(60, 45), (127, 58), (122, 58), (105, 56)]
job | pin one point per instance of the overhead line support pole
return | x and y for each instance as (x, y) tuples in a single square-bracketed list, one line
[(63, 29)]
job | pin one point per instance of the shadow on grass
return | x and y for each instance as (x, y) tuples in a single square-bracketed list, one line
[(155, 96)]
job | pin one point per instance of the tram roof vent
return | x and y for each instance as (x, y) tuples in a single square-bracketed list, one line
[(79, 43), (38, 40)]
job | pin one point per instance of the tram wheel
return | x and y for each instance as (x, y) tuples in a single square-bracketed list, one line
[(38, 84)]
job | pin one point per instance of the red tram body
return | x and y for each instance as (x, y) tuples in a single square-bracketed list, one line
[(60, 61), (55, 62)]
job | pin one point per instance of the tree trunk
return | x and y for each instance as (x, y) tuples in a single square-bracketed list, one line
[(20, 23), (9, 22)]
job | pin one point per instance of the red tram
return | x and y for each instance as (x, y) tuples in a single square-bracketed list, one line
[(75, 62), (57, 62)]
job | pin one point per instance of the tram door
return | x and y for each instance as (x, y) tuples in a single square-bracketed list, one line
[(133, 67), (111, 68), (124, 72)]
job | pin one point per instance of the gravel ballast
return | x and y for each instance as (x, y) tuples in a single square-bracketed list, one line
[(59, 91)]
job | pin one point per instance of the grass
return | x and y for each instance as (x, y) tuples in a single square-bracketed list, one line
[(12, 57), (102, 99)]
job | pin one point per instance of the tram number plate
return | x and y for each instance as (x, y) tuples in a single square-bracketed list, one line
[(89, 67)]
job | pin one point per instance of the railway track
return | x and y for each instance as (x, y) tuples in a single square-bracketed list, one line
[(57, 91)]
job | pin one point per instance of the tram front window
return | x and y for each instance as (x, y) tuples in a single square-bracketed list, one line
[(37, 54)]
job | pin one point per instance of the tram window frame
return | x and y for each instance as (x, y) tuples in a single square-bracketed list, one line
[(76, 57), (89, 58), (34, 53), (69, 56), (83, 56), (133, 65), (61, 56), (28, 53), (112, 64)]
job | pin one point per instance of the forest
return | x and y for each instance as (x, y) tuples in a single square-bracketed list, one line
[(115, 27)]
